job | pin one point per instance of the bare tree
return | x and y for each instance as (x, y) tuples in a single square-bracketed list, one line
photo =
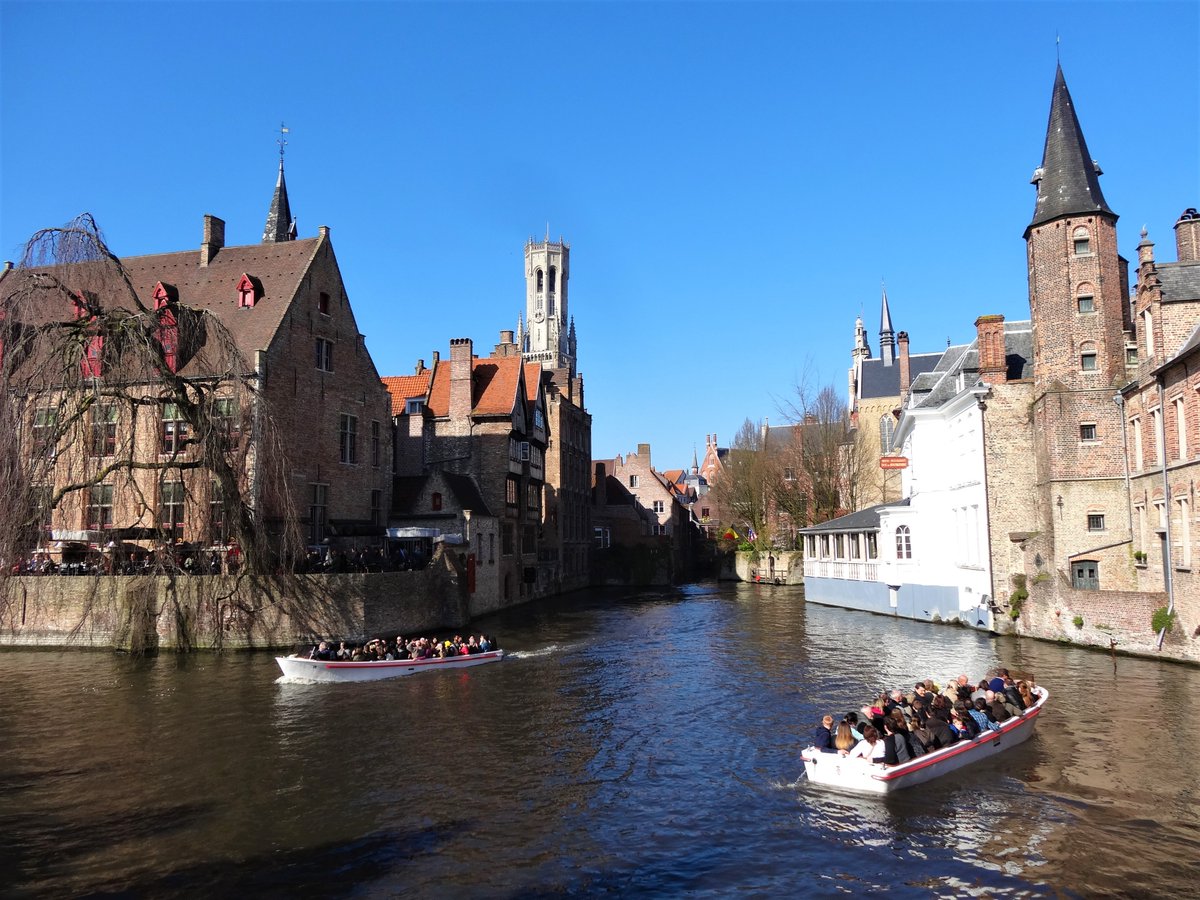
[(832, 453), (743, 488), (136, 406)]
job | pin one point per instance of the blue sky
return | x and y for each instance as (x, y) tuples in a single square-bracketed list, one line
[(735, 179)]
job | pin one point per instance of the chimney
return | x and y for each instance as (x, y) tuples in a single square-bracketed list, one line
[(601, 484), (460, 379), (993, 366), (214, 238), (437, 356), (1187, 236), (644, 454), (905, 371), (506, 337), (420, 367), (323, 231)]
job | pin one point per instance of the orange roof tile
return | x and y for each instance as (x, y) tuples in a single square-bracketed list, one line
[(401, 387), (493, 386)]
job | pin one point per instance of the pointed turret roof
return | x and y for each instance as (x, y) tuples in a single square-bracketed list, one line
[(885, 316), (1068, 181), (280, 225)]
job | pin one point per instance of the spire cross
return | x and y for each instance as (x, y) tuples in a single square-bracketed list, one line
[(282, 141)]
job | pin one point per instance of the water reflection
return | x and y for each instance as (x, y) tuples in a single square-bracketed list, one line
[(632, 744)]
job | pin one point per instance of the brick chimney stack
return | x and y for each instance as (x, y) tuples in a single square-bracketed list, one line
[(905, 371), (214, 239), (1187, 236), (643, 453), (993, 365), (460, 379), (601, 481)]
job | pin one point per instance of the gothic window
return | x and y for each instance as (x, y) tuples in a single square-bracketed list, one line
[(887, 427), (903, 542), (553, 279), (1082, 241), (540, 280)]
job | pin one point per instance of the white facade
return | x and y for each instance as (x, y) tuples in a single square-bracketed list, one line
[(946, 543)]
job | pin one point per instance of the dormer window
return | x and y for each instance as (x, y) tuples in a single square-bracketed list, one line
[(413, 406), (1082, 241), (161, 295), (247, 293), (167, 335)]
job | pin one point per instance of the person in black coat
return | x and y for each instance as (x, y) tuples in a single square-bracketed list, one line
[(823, 738)]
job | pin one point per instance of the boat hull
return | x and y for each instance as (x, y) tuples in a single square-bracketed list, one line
[(376, 670), (833, 770)]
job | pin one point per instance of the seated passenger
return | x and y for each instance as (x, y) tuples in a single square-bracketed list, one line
[(845, 739), (322, 652), (870, 747), (852, 721), (1026, 695), (981, 714), (939, 733), (823, 737), (895, 743), (1000, 711)]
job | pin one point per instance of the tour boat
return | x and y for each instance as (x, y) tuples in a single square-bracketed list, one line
[(374, 670), (836, 771)]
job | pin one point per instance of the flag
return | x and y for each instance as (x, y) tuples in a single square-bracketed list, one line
[(730, 535), (750, 533)]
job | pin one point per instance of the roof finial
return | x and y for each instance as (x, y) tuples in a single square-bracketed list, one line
[(1057, 47), (547, 232), (282, 141)]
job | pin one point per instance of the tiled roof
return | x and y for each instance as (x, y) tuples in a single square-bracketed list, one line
[(493, 386), (278, 269), (467, 493), (402, 387), (935, 388)]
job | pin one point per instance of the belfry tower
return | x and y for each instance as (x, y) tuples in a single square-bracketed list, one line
[(547, 333)]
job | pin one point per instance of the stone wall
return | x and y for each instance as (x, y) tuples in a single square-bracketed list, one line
[(148, 613), (787, 569)]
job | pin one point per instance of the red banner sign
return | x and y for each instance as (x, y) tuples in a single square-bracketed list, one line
[(893, 462)]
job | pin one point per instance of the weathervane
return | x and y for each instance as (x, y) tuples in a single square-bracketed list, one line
[(282, 142)]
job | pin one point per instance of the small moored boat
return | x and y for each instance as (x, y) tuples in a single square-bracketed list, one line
[(374, 670), (833, 770)]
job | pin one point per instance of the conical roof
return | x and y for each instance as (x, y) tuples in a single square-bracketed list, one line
[(280, 226), (1068, 180)]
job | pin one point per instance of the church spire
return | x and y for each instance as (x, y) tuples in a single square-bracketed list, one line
[(280, 224), (1068, 180), (887, 342)]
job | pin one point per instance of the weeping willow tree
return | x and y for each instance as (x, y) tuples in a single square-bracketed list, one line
[(128, 419)]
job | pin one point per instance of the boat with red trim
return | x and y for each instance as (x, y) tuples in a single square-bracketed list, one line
[(836, 771), (328, 670)]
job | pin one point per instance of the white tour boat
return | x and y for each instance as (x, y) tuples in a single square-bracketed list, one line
[(836, 771), (374, 670)]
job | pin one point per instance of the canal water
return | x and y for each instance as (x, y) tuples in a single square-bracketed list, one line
[(636, 744)]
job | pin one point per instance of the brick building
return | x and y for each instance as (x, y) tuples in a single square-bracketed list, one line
[(483, 419), (285, 305)]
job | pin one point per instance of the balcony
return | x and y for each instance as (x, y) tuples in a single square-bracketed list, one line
[(847, 570)]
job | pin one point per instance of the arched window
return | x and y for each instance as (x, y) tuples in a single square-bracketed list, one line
[(540, 287), (553, 279), (1083, 242), (887, 427), (903, 542)]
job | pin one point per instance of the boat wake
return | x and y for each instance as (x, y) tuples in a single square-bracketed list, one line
[(544, 651), (292, 679)]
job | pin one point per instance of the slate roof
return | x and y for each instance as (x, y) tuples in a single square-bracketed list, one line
[(1180, 281), (401, 387), (936, 387), (279, 226), (466, 492), (863, 520), (879, 380), (1068, 180)]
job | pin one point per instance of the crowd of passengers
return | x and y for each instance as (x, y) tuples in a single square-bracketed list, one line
[(418, 648), (898, 727)]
